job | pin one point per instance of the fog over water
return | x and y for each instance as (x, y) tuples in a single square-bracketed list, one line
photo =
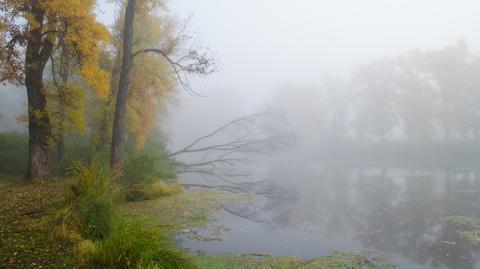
[(302, 57), (368, 136)]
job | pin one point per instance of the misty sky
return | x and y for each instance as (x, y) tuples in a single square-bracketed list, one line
[(261, 44), (264, 43)]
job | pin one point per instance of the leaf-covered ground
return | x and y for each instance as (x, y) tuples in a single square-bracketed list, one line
[(25, 230)]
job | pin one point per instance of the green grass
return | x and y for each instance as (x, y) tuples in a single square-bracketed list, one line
[(137, 243), (110, 239), (93, 199)]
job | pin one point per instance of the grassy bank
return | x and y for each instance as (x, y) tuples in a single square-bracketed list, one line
[(31, 236)]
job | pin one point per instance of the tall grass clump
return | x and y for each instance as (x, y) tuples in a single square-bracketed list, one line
[(93, 199), (106, 238), (137, 244)]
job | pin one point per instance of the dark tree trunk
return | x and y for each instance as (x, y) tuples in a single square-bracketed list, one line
[(39, 131), (38, 124), (116, 153)]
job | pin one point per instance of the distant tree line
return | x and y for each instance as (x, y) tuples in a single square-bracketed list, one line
[(421, 95)]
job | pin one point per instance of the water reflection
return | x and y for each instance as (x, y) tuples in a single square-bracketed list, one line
[(399, 212)]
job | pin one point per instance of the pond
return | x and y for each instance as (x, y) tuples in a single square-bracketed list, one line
[(316, 208)]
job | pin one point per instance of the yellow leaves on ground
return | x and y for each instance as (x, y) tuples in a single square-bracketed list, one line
[(25, 225)]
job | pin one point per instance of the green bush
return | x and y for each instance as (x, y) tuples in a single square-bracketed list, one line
[(93, 199), (77, 148), (137, 244), (144, 174), (13, 153), (140, 168), (148, 166)]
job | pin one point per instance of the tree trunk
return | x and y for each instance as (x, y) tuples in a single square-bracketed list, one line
[(38, 127), (39, 131), (116, 153)]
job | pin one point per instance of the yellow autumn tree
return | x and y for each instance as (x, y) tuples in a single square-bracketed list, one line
[(152, 79), (191, 62), (31, 33)]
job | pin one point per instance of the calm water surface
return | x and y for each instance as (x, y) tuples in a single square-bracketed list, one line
[(314, 209)]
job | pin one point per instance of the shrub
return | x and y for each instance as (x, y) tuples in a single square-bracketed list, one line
[(143, 174), (93, 199), (150, 165), (13, 153), (140, 168), (137, 244), (77, 148)]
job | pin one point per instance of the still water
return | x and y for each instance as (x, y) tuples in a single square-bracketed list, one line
[(313, 209)]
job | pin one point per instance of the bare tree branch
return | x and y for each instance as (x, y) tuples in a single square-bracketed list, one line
[(199, 64), (211, 134)]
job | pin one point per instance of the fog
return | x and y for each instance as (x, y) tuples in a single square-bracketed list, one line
[(305, 58), (262, 45), (362, 115)]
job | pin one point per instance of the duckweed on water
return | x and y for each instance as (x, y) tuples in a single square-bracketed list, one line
[(472, 224), (337, 260), (189, 209)]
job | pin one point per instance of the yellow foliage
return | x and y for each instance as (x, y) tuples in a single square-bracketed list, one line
[(151, 78), (84, 37), (66, 108), (66, 27)]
